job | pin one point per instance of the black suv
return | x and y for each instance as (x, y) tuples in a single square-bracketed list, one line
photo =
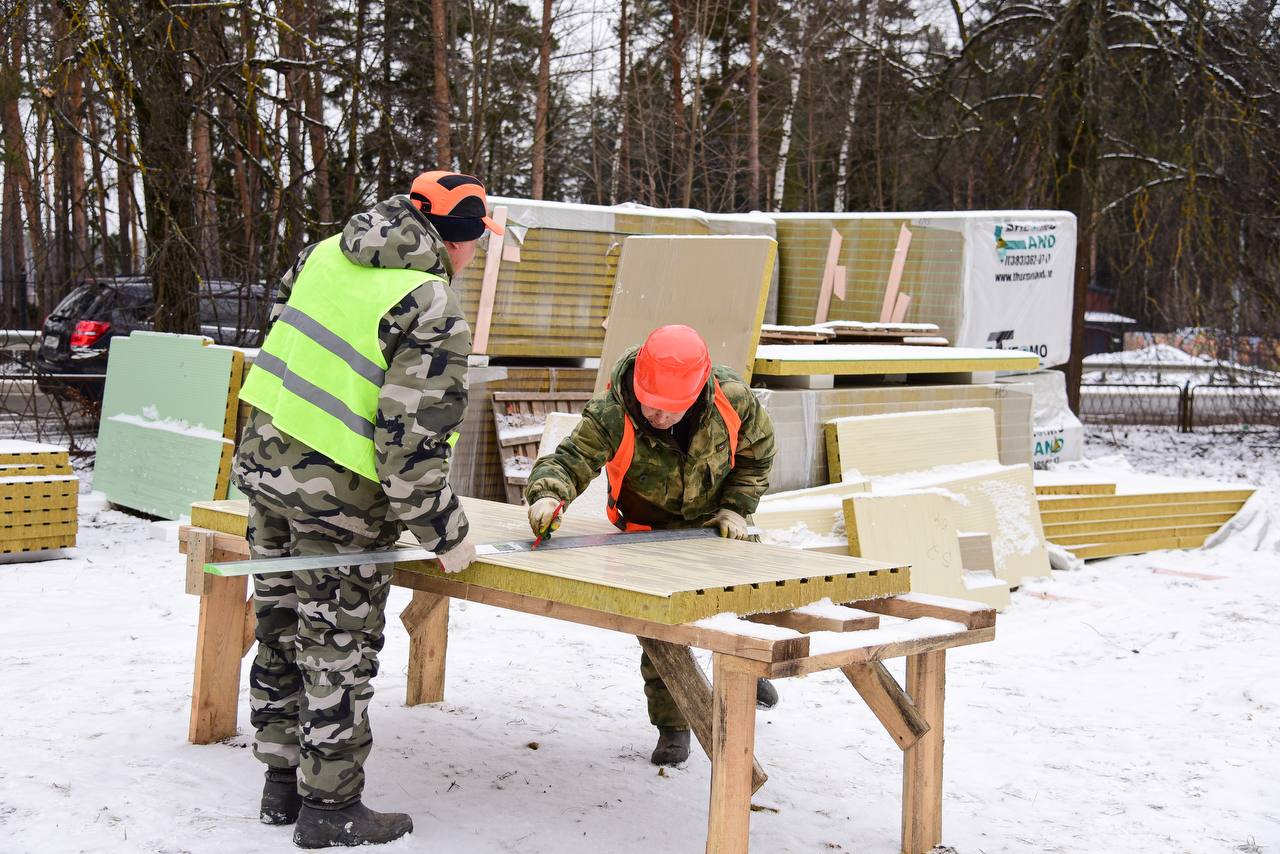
[(76, 335)]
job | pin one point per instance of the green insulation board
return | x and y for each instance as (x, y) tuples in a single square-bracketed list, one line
[(168, 417)]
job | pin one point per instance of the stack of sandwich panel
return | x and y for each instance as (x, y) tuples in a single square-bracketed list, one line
[(37, 497), (933, 274), (556, 275), (1140, 514)]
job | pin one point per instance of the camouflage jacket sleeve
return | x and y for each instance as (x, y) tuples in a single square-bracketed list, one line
[(286, 284), (423, 399), (567, 472), (749, 479)]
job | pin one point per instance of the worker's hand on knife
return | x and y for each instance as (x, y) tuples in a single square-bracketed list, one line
[(457, 558), (542, 516), (730, 524)]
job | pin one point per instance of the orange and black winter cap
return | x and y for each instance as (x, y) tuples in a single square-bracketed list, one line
[(454, 203)]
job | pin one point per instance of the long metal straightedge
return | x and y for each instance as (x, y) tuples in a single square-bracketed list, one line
[(276, 565)]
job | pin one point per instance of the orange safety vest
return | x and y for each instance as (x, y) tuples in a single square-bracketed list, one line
[(616, 469)]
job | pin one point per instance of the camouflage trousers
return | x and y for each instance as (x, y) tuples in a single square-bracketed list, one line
[(319, 634), (663, 711)]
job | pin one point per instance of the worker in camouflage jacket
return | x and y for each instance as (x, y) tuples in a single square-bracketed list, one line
[(683, 444), (356, 394)]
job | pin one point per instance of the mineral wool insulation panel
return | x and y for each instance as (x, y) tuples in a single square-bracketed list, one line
[(668, 582), (552, 302), (168, 418)]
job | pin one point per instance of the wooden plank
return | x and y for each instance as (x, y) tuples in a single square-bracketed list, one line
[(896, 268), (489, 285), (906, 644), (219, 648), (784, 360), (763, 649), (691, 690), (911, 606), (888, 702), (922, 762), (727, 306), (861, 447), (875, 526), (199, 545), (835, 618), (733, 745), (427, 620), (828, 277)]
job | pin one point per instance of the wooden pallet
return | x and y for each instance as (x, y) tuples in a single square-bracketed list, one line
[(514, 409)]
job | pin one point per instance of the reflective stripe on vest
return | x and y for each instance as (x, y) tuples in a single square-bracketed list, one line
[(616, 469), (321, 369)]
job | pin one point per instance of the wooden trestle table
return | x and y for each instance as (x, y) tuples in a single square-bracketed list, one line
[(721, 711)]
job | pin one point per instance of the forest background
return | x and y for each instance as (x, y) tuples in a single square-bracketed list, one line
[(214, 139)]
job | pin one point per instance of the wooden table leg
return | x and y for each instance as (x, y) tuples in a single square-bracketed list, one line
[(220, 644), (427, 621), (691, 690), (733, 734), (922, 761)]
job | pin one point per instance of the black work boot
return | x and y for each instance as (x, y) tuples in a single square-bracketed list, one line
[(322, 825), (280, 798), (766, 694), (672, 747)]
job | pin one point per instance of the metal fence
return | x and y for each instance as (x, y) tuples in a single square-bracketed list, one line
[(1187, 407)]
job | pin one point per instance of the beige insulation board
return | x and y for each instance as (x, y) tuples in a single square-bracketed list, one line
[(933, 272), (920, 530), (866, 446), (717, 285), (1102, 517), (594, 499), (798, 417), (668, 582), (167, 432), (553, 301), (790, 360), (475, 467)]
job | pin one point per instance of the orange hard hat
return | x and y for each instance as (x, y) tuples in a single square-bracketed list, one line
[(454, 195), (671, 368)]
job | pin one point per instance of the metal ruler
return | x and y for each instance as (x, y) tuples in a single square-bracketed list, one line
[(275, 565)]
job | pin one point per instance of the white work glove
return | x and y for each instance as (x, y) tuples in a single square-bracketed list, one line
[(542, 516), (730, 524), (457, 558)]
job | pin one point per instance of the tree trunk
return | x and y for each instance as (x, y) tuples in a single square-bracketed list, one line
[(385, 112), (440, 85), (96, 133), (676, 164), (784, 147), (753, 108), (621, 156), (313, 98), (162, 105), (349, 198), (206, 205), (15, 145), (542, 103)]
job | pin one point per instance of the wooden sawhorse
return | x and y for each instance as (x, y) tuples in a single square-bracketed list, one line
[(721, 711)]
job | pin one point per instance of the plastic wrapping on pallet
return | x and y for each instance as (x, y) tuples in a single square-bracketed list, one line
[(556, 272), (1058, 433), (987, 278), (799, 415)]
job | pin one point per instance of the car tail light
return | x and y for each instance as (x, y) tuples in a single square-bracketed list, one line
[(88, 332)]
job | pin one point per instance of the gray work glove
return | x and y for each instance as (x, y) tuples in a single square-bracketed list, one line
[(730, 524), (457, 558), (542, 516)]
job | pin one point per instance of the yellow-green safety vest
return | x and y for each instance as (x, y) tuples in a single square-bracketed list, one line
[(320, 369)]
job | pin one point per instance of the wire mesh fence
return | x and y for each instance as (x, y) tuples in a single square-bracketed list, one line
[(1187, 407), (39, 406)]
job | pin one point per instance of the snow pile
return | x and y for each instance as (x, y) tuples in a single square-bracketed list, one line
[(1255, 528)]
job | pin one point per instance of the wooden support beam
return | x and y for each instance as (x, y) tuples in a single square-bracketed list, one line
[(199, 548), (250, 626), (219, 648), (691, 690), (922, 762), (909, 606), (225, 546), (886, 699), (427, 621), (842, 620), (733, 732)]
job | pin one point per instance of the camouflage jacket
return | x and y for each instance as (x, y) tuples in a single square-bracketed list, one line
[(425, 342), (665, 485)]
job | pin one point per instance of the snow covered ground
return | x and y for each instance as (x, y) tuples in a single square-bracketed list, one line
[(1129, 707)]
